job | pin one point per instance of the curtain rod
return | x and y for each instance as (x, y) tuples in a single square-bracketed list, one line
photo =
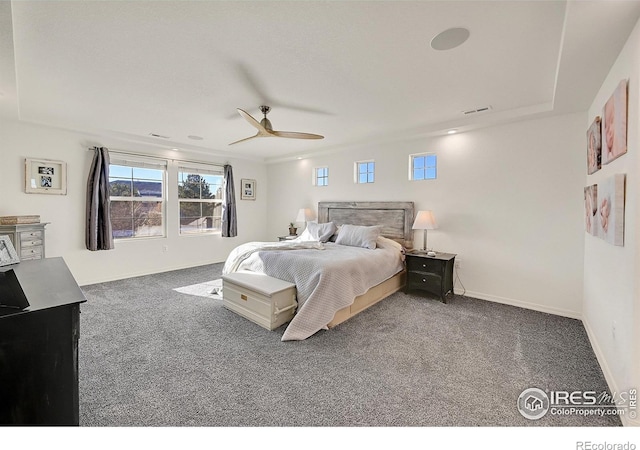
[(145, 155)]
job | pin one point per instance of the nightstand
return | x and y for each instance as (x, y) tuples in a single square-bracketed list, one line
[(287, 238), (430, 274)]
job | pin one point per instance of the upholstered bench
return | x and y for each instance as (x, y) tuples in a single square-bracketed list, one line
[(265, 300)]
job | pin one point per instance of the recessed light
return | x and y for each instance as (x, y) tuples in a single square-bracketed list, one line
[(451, 38), (452, 131), (195, 138)]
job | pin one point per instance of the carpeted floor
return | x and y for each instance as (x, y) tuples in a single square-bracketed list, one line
[(152, 356)]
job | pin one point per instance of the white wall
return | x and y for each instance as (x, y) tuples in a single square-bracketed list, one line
[(508, 200), (65, 235), (611, 273)]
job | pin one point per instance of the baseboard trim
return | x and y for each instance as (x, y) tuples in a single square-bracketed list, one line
[(144, 272), (608, 375), (513, 302)]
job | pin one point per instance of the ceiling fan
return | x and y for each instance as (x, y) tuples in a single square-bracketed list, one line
[(266, 130)]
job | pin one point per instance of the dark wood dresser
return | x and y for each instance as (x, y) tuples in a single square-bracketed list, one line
[(39, 347)]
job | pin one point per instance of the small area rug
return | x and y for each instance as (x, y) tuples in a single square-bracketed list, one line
[(211, 289)]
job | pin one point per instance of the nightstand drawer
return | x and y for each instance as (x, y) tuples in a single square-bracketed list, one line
[(425, 264), (423, 280)]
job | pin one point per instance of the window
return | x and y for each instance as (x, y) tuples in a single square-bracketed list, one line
[(321, 176), (422, 166), (200, 199), (364, 171), (137, 195)]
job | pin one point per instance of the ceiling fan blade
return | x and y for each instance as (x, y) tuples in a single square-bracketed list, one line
[(246, 139), (296, 135), (261, 130), (257, 89)]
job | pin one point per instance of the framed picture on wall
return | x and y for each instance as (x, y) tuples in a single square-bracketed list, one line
[(248, 189), (591, 209), (594, 147), (614, 124), (611, 209), (44, 176)]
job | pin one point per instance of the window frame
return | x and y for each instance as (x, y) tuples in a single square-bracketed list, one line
[(139, 162), (424, 155), (317, 178), (200, 169), (370, 174)]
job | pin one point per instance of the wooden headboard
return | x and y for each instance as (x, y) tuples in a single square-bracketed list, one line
[(396, 218)]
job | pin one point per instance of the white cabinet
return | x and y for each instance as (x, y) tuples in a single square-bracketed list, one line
[(28, 239)]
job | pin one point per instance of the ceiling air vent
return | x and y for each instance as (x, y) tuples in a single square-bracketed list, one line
[(158, 136), (477, 110)]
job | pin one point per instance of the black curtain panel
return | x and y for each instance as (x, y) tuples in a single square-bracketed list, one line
[(229, 218), (98, 232)]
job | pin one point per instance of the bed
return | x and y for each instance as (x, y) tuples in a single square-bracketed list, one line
[(335, 280)]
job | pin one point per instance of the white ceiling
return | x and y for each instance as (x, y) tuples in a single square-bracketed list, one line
[(352, 71)]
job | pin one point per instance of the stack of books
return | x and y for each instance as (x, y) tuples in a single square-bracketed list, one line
[(18, 220)]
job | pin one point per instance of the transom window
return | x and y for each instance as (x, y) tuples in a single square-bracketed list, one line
[(423, 166), (365, 172), (321, 176), (137, 196), (200, 199)]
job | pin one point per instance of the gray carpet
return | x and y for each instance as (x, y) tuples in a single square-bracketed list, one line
[(151, 356)]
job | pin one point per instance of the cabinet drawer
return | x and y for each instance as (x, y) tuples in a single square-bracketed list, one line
[(31, 252), (35, 235), (31, 243), (424, 265), (423, 280)]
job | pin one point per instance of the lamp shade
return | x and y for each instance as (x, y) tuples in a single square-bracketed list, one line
[(304, 215), (425, 220)]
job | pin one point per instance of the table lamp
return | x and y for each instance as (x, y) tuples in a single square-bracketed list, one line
[(304, 215), (425, 221)]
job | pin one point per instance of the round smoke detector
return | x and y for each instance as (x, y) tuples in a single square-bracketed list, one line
[(451, 38)]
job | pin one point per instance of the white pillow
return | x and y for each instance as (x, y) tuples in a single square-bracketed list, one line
[(358, 236), (317, 232), (383, 242), (321, 231)]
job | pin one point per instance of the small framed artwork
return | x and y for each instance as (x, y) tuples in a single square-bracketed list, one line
[(610, 214), (248, 189), (8, 253), (594, 147), (43, 176), (614, 124), (591, 209)]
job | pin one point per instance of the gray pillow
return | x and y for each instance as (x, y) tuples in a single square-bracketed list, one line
[(358, 236), (321, 231)]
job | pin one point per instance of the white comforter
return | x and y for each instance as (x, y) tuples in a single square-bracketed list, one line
[(328, 277)]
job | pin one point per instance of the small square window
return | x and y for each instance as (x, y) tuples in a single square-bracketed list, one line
[(321, 176), (423, 166), (365, 172)]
